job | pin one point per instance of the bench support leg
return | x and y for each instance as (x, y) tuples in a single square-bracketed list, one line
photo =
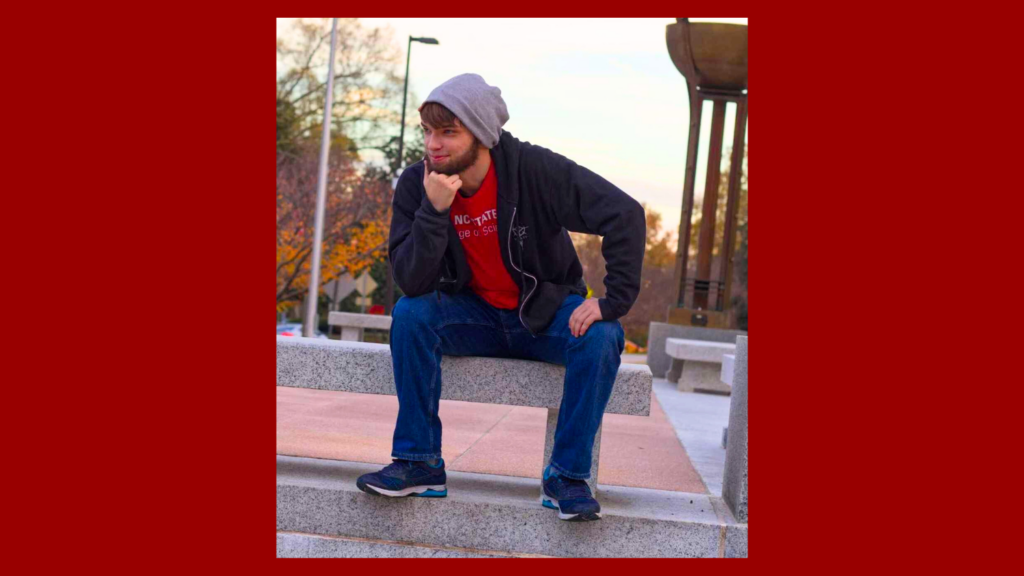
[(674, 370), (549, 446), (702, 377), (352, 334)]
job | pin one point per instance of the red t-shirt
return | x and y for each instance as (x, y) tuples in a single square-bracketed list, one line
[(476, 220)]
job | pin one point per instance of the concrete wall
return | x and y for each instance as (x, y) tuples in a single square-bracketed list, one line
[(734, 486)]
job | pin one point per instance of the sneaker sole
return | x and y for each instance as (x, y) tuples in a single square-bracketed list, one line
[(552, 504), (439, 491)]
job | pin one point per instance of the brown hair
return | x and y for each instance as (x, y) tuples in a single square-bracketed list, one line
[(436, 115)]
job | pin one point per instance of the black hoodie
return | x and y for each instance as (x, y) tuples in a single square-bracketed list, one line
[(541, 196)]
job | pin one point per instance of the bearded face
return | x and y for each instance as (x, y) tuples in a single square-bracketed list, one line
[(450, 149), (455, 163)]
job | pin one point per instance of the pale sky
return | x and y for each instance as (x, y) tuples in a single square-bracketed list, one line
[(602, 92)]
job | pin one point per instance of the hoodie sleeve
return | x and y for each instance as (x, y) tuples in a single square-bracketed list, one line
[(582, 201), (418, 235)]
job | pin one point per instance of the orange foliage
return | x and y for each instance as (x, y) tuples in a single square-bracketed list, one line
[(356, 220)]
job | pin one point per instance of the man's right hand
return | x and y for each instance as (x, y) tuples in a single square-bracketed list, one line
[(440, 188)]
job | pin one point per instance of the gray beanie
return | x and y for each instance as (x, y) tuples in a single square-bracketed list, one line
[(478, 106)]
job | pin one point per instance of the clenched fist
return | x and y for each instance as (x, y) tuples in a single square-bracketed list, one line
[(440, 188)]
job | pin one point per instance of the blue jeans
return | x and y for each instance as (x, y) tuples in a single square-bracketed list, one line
[(464, 324)]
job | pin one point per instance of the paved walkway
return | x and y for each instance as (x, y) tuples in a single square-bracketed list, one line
[(678, 447), (698, 420)]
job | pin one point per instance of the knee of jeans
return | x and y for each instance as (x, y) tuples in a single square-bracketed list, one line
[(606, 334), (417, 310)]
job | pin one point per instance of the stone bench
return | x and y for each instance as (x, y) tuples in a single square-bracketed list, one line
[(352, 324), (366, 368), (658, 332), (697, 364)]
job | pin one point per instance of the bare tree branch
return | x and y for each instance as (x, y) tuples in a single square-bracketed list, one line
[(305, 67)]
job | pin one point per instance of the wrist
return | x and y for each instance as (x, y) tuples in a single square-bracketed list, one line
[(429, 206)]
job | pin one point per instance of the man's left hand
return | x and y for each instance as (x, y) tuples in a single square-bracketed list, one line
[(585, 315)]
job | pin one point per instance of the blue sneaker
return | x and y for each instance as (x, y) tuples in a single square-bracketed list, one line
[(572, 498), (406, 478)]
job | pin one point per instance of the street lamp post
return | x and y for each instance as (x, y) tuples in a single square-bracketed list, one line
[(308, 329), (389, 301)]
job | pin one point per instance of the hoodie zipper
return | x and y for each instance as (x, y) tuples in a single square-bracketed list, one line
[(513, 262)]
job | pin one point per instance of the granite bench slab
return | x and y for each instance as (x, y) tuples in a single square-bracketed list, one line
[(698, 350), (366, 368), (356, 320)]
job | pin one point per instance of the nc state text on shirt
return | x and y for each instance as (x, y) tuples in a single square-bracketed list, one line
[(479, 220)]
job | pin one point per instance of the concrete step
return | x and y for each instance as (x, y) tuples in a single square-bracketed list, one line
[(497, 515), (300, 545)]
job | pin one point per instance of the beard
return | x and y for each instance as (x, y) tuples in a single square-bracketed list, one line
[(456, 164)]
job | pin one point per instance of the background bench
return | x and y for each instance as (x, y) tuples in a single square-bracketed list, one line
[(352, 324), (366, 368), (658, 332), (697, 364)]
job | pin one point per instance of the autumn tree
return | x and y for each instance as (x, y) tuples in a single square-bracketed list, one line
[(365, 116), (356, 218), (367, 108), (367, 93)]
